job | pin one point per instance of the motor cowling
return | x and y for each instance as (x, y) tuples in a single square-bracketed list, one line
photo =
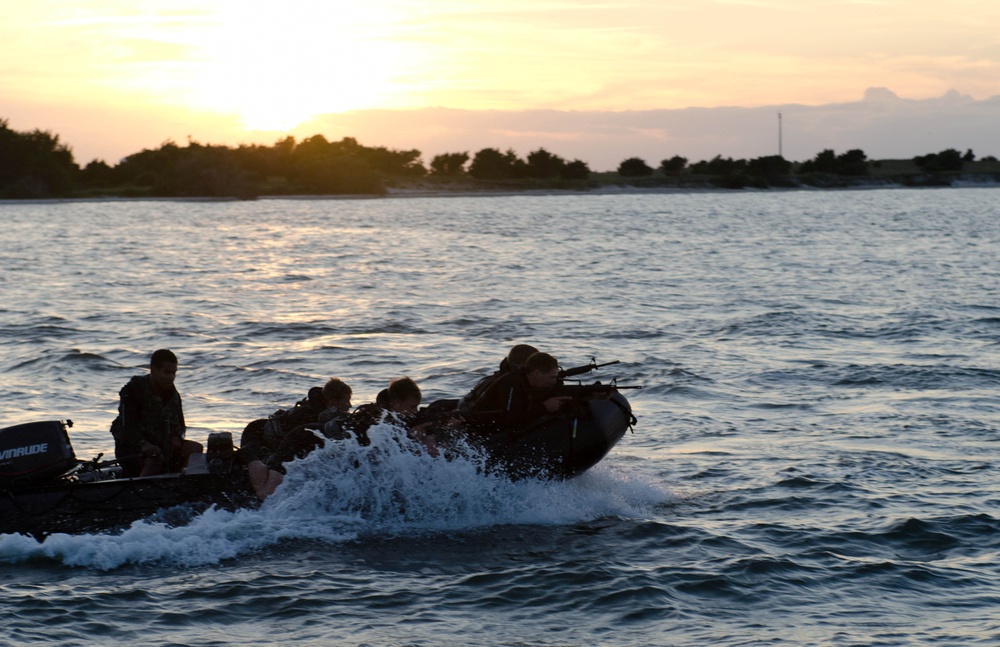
[(34, 452), (220, 453)]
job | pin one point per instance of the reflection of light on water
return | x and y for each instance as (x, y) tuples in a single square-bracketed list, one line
[(912, 449)]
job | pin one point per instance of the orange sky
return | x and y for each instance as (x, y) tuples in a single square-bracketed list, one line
[(115, 76)]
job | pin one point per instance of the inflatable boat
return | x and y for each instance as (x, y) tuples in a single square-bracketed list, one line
[(45, 488)]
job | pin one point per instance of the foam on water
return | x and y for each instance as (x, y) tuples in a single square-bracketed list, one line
[(345, 492)]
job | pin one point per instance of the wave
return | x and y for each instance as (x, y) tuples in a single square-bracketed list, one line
[(38, 330), (60, 361), (938, 375), (900, 327), (910, 376)]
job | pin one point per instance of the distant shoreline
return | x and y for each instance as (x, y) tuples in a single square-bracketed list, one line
[(39, 167), (626, 189), (619, 187)]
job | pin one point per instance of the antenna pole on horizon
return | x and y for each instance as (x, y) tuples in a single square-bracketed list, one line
[(779, 136)]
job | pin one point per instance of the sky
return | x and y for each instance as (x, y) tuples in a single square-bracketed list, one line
[(112, 77)]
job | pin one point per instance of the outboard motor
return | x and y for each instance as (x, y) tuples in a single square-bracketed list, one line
[(34, 452), (220, 452)]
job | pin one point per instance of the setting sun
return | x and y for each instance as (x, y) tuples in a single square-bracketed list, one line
[(278, 67)]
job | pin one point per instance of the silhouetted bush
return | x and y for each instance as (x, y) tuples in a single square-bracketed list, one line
[(719, 166), (853, 163), (34, 164), (449, 164), (674, 165), (491, 164), (634, 167), (543, 165), (97, 173), (575, 170), (946, 160), (773, 169)]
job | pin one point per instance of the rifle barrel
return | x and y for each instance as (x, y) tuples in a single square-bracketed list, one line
[(586, 368)]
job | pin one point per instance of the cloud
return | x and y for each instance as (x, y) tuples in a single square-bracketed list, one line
[(882, 124)]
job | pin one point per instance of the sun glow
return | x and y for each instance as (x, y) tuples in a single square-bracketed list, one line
[(278, 65)]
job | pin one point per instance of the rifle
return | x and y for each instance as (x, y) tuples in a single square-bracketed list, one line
[(579, 391), (586, 368), (437, 412)]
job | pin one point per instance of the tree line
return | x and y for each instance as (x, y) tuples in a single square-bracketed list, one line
[(776, 171), (37, 165)]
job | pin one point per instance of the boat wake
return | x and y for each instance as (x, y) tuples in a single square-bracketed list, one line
[(345, 492)]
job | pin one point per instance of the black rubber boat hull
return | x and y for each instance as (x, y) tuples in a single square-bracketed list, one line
[(561, 446), (87, 507)]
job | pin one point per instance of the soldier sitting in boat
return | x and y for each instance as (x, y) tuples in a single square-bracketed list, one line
[(396, 404), (149, 430), (266, 472), (262, 437), (514, 361), (508, 403)]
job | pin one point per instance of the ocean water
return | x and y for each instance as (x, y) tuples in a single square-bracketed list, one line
[(815, 461)]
